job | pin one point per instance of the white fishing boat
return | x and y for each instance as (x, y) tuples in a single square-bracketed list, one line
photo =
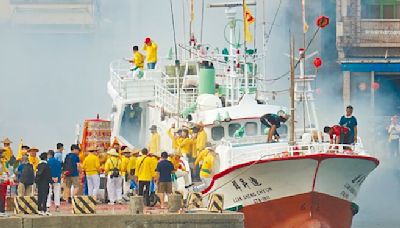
[(300, 181)]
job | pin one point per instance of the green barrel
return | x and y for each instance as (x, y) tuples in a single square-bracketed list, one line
[(206, 78)]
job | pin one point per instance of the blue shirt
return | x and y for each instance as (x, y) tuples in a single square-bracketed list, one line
[(350, 122), (19, 171), (55, 168), (75, 161), (59, 156), (271, 119), (165, 168)]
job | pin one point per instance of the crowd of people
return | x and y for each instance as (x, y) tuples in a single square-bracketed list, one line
[(55, 176)]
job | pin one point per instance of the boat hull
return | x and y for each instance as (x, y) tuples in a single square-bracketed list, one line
[(296, 191), (309, 210)]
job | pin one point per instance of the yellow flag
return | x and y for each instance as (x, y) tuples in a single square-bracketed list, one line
[(20, 153), (248, 20), (192, 10), (305, 25)]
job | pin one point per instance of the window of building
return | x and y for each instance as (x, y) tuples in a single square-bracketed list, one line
[(380, 9), (251, 128), (232, 128), (217, 133)]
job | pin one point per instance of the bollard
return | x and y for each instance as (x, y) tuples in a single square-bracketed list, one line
[(194, 200), (216, 203), (26, 205), (174, 202), (84, 205), (136, 205)]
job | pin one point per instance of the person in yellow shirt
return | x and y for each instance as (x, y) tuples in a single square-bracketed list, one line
[(33, 159), (151, 48), (4, 182), (22, 152), (112, 169), (185, 144), (116, 146), (144, 174), (154, 159), (173, 136), (125, 158), (3, 166), (8, 153), (154, 144), (201, 139), (201, 156), (131, 168), (103, 158), (132, 163), (180, 171), (206, 169), (91, 166), (138, 59)]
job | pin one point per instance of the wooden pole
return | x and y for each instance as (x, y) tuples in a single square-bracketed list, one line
[(246, 79), (292, 78)]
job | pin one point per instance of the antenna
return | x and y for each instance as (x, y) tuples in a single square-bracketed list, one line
[(230, 4)]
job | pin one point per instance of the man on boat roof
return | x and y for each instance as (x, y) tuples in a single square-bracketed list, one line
[(350, 121), (151, 48), (273, 122), (138, 58)]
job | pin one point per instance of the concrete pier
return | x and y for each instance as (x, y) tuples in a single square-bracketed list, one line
[(171, 220)]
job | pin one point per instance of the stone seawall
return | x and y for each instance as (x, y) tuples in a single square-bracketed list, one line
[(197, 220)]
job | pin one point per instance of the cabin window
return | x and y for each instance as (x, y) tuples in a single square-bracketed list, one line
[(251, 128), (217, 133), (380, 9), (282, 130), (233, 127)]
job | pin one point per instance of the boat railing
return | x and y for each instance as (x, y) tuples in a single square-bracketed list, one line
[(241, 154), (169, 101), (120, 68), (127, 85)]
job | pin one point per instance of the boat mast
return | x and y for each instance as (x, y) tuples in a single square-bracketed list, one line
[(292, 94), (202, 22), (246, 76), (264, 40), (302, 64), (177, 66), (230, 13)]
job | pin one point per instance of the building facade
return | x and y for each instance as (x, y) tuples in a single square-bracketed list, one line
[(368, 45), (51, 16)]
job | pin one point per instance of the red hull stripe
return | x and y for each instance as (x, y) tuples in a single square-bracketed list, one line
[(318, 157)]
